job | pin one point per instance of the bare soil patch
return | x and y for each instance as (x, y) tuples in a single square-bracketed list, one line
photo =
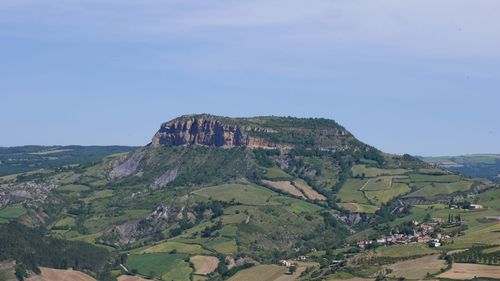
[(470, 271), (285, 186), (204, 265), (308, 191), (417, 268)]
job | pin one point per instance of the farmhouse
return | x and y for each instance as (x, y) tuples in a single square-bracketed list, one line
[(285, 263), (475, 206), (301, 258)]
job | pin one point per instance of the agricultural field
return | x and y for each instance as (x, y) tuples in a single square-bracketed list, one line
[(9, 213), (418, 268), (50, 274), (383, 196), (161, 265), (360, 170), (434, 189), (169, 246), (408, 250), (260, 273), (65, 222), (359, 208), (98, 195), (464, 271), (308, 191), (434, 178), (380, 183), (276, 174), (350, 191), (204, 265), (74, 188), (285, 186)]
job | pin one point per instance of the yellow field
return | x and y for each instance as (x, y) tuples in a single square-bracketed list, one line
[(285, 186), (404, 250), (470, 271), (359, 208), (204, 265), (308, 191), (417, 268), (166, 247), (384, 196), (260, 273), (50, 274)]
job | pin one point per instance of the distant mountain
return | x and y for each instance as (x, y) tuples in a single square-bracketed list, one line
[(20, 159), (474, 165), (232, 193)]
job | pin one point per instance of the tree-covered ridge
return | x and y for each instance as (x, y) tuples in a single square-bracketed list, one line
[(31, 248), (22, 159)]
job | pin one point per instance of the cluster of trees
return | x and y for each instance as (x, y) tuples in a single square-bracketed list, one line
[(478, 254), (210, 231), (263, 156), (31, 248)]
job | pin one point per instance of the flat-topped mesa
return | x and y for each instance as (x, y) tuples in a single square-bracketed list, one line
[(206, 130)]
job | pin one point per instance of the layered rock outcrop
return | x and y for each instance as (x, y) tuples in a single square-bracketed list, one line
[(206, 130)]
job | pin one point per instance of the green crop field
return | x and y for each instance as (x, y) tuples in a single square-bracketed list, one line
[(379, 183), (441, 189), (350, 192), (384, 196), (222, 245), (74, 188), (12, 212), (65, 222), (161, 265), (260, 273), (432, 178), (359, 170), (276, 173), (408, 250)]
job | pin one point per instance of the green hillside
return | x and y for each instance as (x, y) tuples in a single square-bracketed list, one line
[(246, 190)]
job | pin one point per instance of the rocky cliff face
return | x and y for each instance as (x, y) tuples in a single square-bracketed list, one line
[(206, 130)]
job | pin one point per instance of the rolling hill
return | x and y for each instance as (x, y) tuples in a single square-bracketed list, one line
[(475, 165)]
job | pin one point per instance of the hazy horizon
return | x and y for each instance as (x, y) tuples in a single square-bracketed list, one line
[(417, 77)]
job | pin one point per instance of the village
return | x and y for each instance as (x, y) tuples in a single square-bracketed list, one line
[(429, 232)]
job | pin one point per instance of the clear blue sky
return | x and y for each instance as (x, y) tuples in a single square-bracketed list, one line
[(419, 77)]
